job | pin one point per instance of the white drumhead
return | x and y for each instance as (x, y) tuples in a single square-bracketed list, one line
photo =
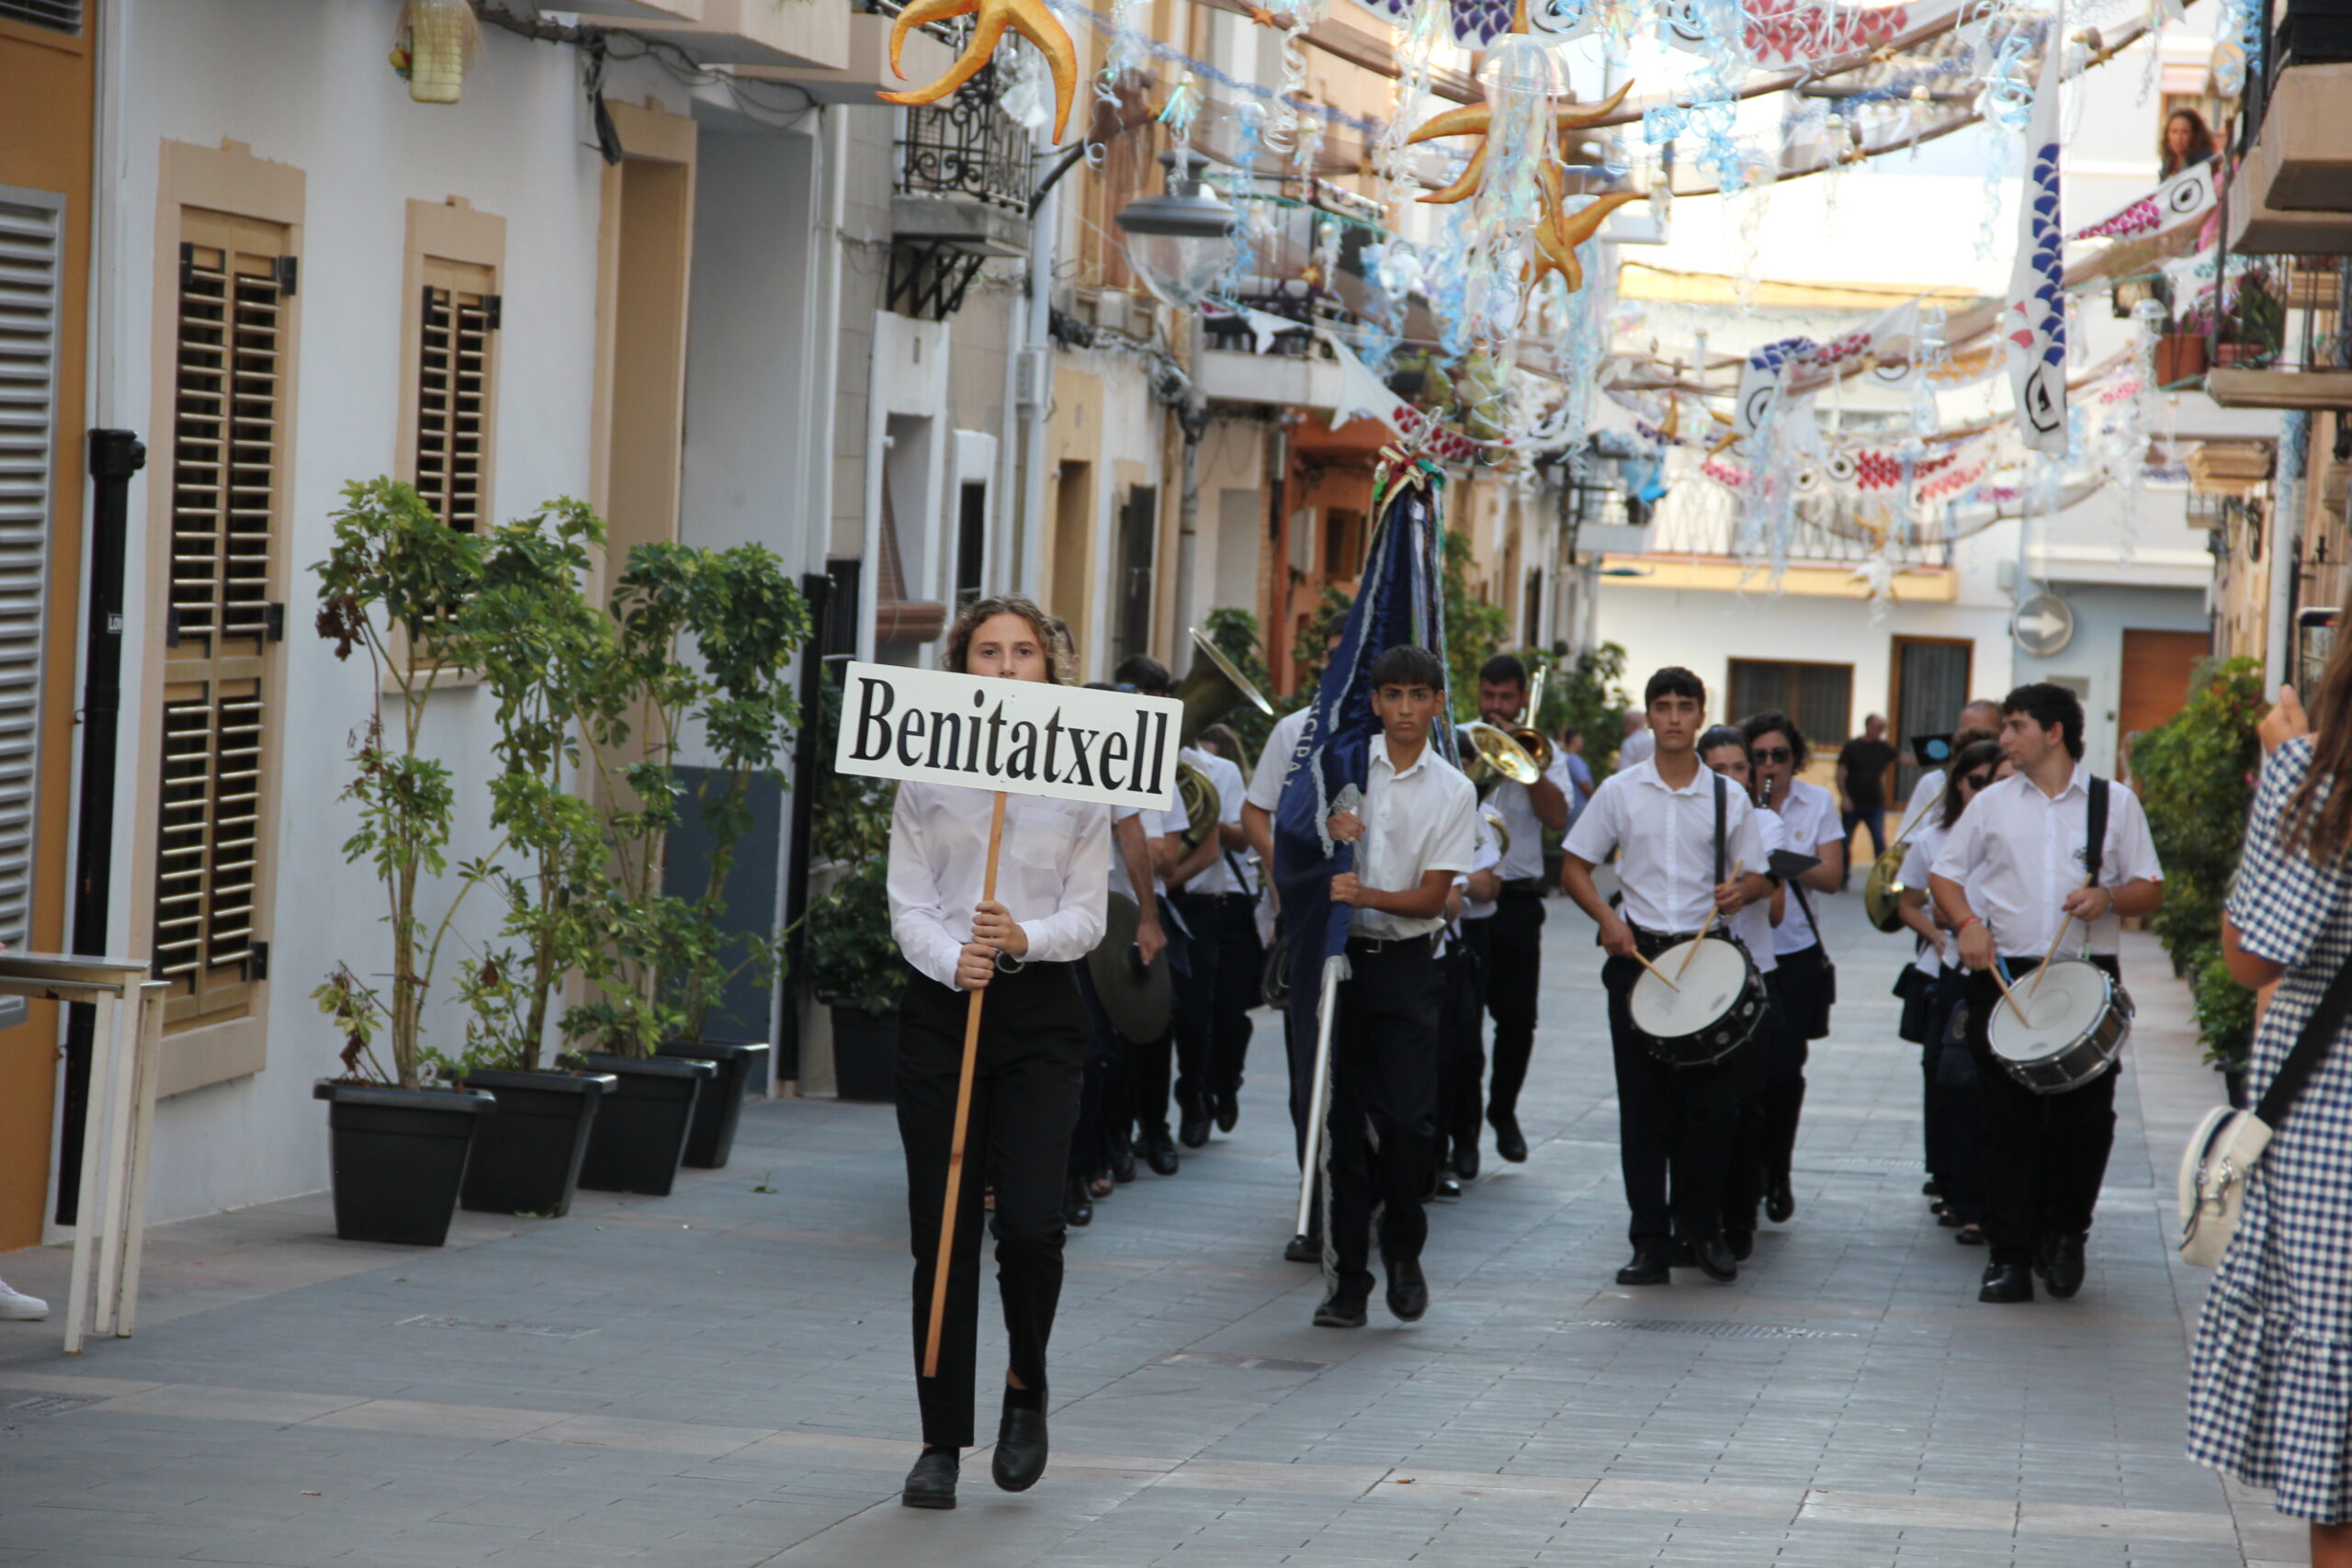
[(2073, 994), (1709, 988)]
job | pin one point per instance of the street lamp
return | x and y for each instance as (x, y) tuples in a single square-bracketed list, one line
[(1181, 241)]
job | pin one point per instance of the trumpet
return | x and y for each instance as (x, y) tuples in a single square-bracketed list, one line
[(1531, 739), (1492, 754)]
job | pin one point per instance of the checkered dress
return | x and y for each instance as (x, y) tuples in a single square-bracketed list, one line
[(2270, 1384)]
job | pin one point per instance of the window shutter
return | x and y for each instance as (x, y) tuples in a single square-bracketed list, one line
[(456, 358), (227, 470), (57, 15), (31, 258)]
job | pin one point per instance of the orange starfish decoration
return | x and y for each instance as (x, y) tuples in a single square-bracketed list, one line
[(1474, 120), (1028, 17)]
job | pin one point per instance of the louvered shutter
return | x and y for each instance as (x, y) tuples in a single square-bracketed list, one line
[(31, 256), (57, 15), (457, 364), (227, 470)]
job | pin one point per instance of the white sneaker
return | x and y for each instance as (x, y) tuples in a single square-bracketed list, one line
[(18, 1307)]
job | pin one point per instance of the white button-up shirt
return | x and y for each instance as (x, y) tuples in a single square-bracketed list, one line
[(1809, 819), (1511, 798), (1419, 820), (1486, 855), (1918, 863), (1668, 837), (1639, 747), (1052, 872), (2019, 852), (1274, 762), (1220, 876), (1753, 925), (1157, 824)]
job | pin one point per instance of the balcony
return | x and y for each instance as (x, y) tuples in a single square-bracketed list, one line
[(2293, 191), (962, 196), (743, 32), (866, 72), (2293, 351)]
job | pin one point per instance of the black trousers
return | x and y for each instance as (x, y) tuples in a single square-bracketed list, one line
[(1090, 1140), (1744, 1167), (1514, 973), (1461, 1066), (1024, 1102), (1955, 1104), (1796, 985), (2044, 1155), (1676, 1122), (1213, 1010), (1379, 1130)]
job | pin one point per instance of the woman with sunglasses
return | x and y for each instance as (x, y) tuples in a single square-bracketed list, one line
[(1724, 750), (1954, 1129), (1806, 983)]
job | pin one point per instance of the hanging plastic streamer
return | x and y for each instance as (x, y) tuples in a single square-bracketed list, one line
[(1448, 270), (1523, 80), (1282, 131), (2237, 36), (1241, 264), (1184, 105), (1414, 51)]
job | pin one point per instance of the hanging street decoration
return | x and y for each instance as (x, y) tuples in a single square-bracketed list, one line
[(2186, 197), (2035, 321), (1030, 18)]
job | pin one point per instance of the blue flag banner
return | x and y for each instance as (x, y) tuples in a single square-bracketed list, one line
[(1400, 600)]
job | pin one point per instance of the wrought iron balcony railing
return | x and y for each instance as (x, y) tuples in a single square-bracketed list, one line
[(967, 147)]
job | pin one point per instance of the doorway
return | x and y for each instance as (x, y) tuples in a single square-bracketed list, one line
[(1929, 681), (2158, 671)]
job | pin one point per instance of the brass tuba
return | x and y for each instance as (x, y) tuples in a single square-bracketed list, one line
[(1491, 754), (1213, 688), (1196, 791)]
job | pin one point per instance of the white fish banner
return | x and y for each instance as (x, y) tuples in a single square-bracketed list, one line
[(2035, 321)]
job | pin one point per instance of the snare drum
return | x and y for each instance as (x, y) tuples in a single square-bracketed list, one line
[(1719, 1002), (2074, 1026)]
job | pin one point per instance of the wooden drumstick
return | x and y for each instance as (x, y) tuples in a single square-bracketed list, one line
[(2007, 995), (1654, 970), (1738, 869), (2063, 927)]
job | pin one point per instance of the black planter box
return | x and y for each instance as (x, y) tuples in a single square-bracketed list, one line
[(526, 1159), (719, 1108), (641, 1125), (865, 1055), (400, 1158)]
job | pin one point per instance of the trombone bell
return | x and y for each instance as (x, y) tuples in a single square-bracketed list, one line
[(1213, 688), (1495, 755)]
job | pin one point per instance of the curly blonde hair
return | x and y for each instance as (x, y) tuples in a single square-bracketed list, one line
[(1052, 634)]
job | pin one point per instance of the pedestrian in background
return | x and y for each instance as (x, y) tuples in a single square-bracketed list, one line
[(1862, 763), (2268, 1401)]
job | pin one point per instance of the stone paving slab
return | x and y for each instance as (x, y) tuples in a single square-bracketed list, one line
[(721, 1377)]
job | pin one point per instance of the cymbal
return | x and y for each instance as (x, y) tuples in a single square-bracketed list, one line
[(1137, 999)]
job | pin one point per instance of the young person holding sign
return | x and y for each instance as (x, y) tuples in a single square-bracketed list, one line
[(993, 893)]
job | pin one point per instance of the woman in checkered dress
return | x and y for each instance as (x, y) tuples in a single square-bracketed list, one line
[(2270, 1384)]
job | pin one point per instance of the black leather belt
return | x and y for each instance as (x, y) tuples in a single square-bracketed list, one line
[(1652, 943), (1531, 885), (1395, 944)]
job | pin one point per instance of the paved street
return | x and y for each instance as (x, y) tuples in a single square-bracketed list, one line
[(720, 1379)]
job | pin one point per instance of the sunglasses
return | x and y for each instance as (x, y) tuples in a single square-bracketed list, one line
[(1976, 780), (1775, 754)]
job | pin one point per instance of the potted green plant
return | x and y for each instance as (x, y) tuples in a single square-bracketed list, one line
[(541, 649), (854, 968), (655, 958), (392, 586)]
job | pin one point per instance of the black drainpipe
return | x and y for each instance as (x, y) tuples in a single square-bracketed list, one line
[(816, 589), (114, 455)]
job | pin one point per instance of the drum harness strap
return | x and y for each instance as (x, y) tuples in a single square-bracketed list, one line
[(1661, 940), (2094, 854)]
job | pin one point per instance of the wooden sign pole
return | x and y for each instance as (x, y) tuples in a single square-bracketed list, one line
[(963, 1121)]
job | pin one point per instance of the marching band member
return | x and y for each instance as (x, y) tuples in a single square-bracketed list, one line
[(1806, 983), (1414, 836), (1952, 1097), (1257, 809), (1149, 1062), (1462, 1055), (1661, 814), (1980, 720), (2009, 877), (1209, 896), (1019, 948), (1515, 931), (1232, 881), (1724, 750)]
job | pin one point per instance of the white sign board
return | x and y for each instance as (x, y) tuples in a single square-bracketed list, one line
[(1023, 737)]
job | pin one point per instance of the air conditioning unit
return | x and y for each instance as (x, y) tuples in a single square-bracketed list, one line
[(1033, 377)]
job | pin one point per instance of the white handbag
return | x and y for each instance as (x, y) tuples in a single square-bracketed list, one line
[(2228, 1144)]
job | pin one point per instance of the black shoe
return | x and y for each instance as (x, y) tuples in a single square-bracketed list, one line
[(1341, 1312), (1741, 1239), (1970, 1236), (931, 1482), (1465, 1162), (1445, 1189), (1931, 1189), (1302, 1249), (2064, 1274), (1509, 1143), (1159, 1151), (1714, 1260), (1019, 1450), (2006, 1282), (1779, 1201), (1077, 1209), (1679, 1255), (1228, 1109), (1192, 1126), (1949, 1220), (1644, 1270), (1409, 1293), (1123, 1164)]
